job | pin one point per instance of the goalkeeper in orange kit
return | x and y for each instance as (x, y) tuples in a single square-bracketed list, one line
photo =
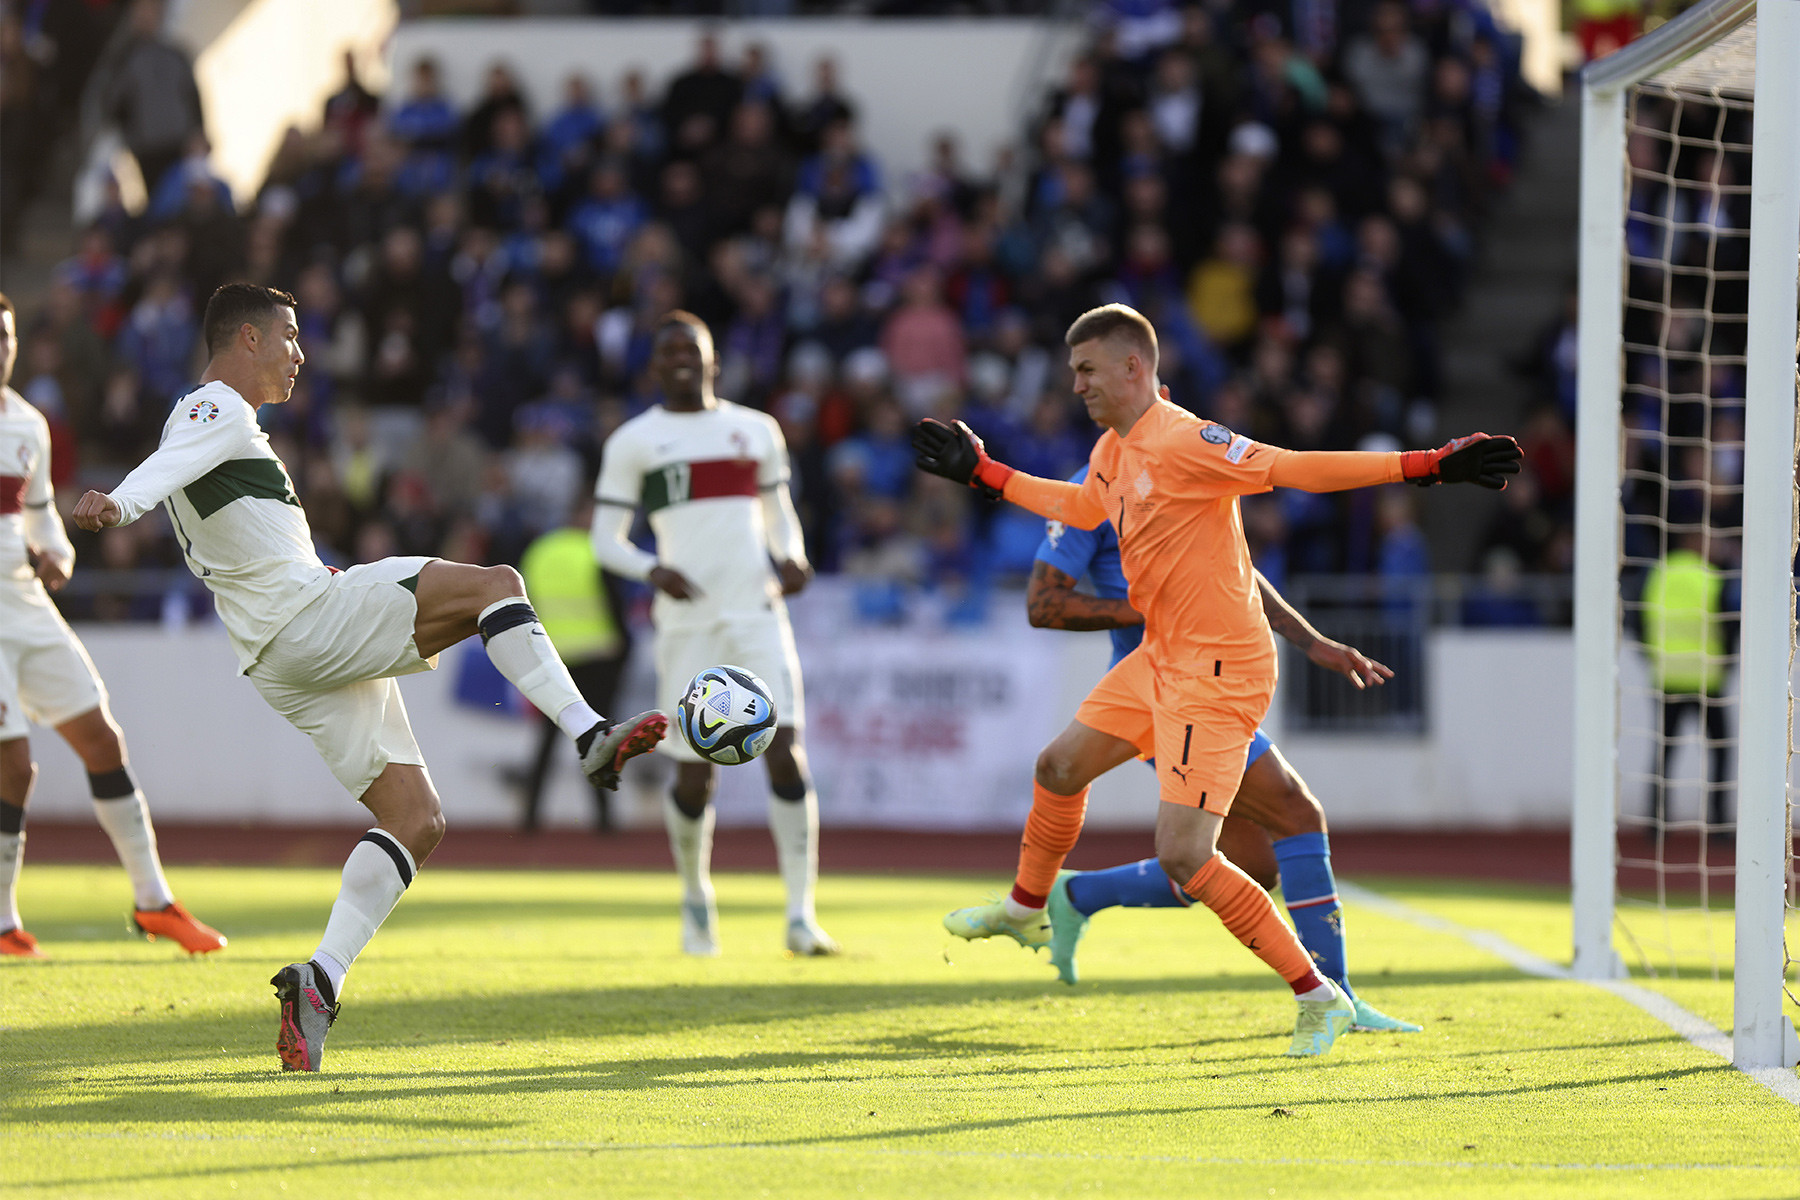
[(1193, 694)]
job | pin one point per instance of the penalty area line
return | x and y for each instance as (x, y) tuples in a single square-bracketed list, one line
[(1696, 1030)]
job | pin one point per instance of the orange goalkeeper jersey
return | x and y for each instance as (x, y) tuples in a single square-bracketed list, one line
[(1170, 488)]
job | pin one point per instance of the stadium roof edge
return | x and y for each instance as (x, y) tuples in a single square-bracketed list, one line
[(1669, 44)]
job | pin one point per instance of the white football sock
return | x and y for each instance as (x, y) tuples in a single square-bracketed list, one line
[(794, 824), (376, 875), (12, 854), (1018, 912), (126, 820), (691, 842), (1325, 991), (522, 652)]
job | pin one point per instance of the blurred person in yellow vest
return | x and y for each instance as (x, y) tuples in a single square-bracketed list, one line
[(1603, 26), (578, 605), (1689, 617)]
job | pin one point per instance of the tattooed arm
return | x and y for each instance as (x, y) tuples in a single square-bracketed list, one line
[(1052, 602)]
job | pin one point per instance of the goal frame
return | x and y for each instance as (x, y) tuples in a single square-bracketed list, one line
[(1762, 1036)]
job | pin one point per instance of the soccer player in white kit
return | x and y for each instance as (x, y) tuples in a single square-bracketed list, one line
[(46, 677), (323, 646), (712, 477)]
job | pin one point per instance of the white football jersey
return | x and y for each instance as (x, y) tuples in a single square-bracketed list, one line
[(699, 477), (240, 525), (27, 511)]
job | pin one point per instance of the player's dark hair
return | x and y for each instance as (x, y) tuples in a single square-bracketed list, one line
[(1115, 321), (681, 317), (236, 303)]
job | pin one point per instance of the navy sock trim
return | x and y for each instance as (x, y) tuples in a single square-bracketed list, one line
[(508, 617), (12, 817), (111, 785), (793, 793), (393, 851)]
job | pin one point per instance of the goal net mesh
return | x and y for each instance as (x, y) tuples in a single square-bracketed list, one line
[(1687, 247)]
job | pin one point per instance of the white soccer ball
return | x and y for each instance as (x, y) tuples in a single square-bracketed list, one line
[(727, 716)]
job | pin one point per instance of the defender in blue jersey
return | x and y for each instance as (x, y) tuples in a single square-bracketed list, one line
[(1276, 829)]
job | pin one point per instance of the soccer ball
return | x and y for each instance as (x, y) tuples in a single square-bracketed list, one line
[(727, 715)]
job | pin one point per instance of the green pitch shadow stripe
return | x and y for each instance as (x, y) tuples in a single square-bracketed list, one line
[(1696, 1030)]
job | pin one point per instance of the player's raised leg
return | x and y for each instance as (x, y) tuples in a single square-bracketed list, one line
[(121, 810), (381, 866), (1073, 760), (17, 774), (457, 600), (1276, 798), (794, 824), (1187, 846), (1078, 895)]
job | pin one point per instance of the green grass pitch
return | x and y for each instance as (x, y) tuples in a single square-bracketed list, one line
[(534, 1033)]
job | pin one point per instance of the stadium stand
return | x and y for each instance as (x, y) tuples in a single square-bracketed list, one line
[(1295, 196)]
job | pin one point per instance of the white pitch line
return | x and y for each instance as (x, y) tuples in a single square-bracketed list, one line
[(1695, 1029)]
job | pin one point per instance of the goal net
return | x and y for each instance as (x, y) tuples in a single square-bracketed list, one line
[(1686, 521)]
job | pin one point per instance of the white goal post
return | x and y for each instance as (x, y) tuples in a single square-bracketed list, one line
[(1693, 54)]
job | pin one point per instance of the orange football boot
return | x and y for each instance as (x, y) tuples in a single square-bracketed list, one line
[(20, 944), (178, 925)]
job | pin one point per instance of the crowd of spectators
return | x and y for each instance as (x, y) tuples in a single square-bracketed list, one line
[(1292, 194)]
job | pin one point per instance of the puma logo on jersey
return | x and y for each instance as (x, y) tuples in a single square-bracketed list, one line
[(1177, 771)]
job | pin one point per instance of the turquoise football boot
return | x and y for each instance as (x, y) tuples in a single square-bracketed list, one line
[(1370, 1019), (1067, 924)]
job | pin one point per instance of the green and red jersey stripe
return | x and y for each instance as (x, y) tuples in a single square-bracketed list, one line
[(709, 479)]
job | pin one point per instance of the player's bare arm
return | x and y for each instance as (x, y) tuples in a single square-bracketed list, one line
[(1320, 650), (1051, 602)]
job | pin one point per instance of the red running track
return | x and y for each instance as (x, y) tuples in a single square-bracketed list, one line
[(1534, 856)]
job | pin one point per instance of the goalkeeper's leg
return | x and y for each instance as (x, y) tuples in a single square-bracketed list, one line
[(1065, 768)]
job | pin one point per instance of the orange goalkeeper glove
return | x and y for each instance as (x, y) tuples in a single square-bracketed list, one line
[(1479, 458)]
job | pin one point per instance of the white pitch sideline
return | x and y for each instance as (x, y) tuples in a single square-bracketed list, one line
[(1696, 1030)]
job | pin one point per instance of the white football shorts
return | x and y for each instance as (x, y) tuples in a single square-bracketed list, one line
[(46, 676), (330, 671), (763, 643)]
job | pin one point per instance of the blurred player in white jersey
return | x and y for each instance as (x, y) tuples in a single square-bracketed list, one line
[(712, 477), (323, 646), (46, 677)]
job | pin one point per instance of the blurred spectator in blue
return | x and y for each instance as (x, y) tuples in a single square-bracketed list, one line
[(424, 120), (565, 138), (193, 170), (1499, 598), (878, 461), (607, 219), (159, 339), (838, 192)]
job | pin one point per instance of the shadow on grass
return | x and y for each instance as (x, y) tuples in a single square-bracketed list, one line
[(302, 1105), (40, 1057)]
